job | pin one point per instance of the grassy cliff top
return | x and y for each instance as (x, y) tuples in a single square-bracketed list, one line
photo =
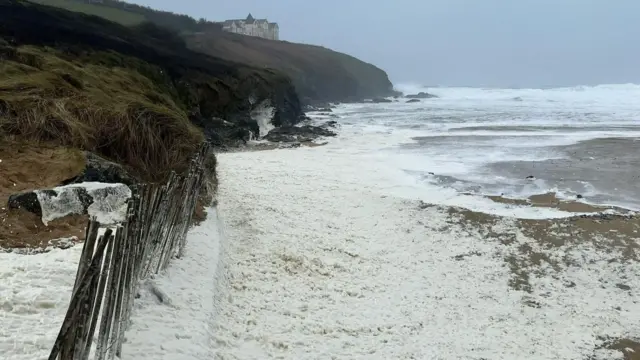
[(72, 84), (110, 13), (318, 73)]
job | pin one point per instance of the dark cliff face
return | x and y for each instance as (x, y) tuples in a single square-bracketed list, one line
[(318, 73), (202, 86)]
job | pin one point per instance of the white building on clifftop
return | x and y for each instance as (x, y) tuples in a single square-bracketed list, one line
[(253, 27)]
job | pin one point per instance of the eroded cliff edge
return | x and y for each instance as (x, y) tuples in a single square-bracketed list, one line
[(81, 95), (86, 99), (54, 59)]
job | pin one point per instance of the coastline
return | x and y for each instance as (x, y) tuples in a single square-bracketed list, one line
[(317, 256), (266, 146), (321, 260)]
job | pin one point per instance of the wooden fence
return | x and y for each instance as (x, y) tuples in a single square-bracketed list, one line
[(113, 264)]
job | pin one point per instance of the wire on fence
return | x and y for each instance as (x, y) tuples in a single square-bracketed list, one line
[(112, 265)]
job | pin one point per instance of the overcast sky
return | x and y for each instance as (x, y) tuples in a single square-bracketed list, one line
[(493, 43)]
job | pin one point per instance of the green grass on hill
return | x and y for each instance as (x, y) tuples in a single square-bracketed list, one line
[(116, 15), (127, 14)]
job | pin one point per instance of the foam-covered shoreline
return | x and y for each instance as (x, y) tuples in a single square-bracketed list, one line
[(325, 259), (579, 143)]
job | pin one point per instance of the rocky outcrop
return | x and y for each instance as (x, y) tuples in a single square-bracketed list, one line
[(289, 134), (98, 169), (225, 134), (380, 100), (330, 124), (421, 95), (321, 107), (107, 202)]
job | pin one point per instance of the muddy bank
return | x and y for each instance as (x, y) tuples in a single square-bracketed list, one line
[(25, 167), (550, 200)]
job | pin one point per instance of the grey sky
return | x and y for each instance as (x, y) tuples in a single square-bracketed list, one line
[(519, 43)]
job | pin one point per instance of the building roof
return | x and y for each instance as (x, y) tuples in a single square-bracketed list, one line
[(248, 20)]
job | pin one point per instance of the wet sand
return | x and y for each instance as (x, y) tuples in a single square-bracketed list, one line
[(554, 241), (601, 171), (610, 165), (550, 200), (607, 227), (521, 128), (607, 232)]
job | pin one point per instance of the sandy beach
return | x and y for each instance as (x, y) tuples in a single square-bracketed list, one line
[(319, 180), (322, 259)]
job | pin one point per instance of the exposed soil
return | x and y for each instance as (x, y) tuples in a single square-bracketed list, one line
[(618, 235), (550, 242), (200, 213), (25, 167), (630, 348)]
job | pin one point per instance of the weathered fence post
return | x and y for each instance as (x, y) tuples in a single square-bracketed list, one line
[(111, 267)]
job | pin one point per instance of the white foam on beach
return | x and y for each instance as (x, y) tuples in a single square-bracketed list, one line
[(326, 259), (172, 318), (464, 130), (35, 291), (366, 165)]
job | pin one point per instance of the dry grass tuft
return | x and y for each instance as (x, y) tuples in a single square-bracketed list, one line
[(113, 111)]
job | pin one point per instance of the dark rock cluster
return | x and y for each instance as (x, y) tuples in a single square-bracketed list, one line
[(306, 133), (421, 95), (98, 169)]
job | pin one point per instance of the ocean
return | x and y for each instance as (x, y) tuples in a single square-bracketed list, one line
[(579, 142)]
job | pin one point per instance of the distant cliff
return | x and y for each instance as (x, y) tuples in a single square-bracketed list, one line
[(319, 74)]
